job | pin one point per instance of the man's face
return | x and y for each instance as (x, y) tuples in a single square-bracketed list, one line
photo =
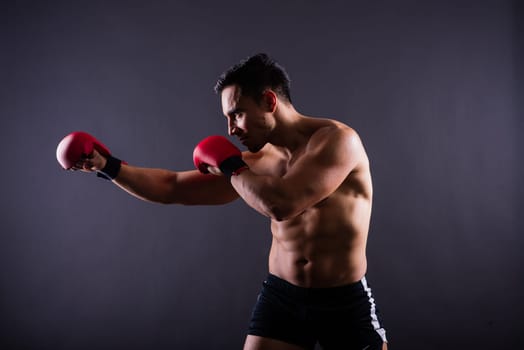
[(247, 119)]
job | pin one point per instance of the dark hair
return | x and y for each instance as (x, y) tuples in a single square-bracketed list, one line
[(255, 74)]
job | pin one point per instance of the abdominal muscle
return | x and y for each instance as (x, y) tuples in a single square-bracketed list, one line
[(311, 251)]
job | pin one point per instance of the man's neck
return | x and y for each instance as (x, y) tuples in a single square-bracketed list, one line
[(288, 134)]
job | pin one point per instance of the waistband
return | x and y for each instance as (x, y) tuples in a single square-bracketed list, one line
[(306, 292)]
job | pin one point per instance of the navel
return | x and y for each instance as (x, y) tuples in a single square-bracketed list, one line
[(302, 262)]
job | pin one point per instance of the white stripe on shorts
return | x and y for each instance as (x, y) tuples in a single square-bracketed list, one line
[(374, 320)]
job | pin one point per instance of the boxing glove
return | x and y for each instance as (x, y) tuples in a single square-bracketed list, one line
[(217, 151), (78, 146)]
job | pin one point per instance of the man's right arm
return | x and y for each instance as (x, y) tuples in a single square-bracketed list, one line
[(165, 186), (81, 151)]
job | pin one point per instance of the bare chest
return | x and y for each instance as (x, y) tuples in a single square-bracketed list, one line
[(274, 164)]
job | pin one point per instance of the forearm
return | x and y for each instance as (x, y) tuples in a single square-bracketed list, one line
[(175, 187), (154, 185), (264, 194)]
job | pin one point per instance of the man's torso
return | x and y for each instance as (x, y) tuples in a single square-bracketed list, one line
[(325, 245)]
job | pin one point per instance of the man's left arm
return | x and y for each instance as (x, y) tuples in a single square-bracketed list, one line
[(331, 154)]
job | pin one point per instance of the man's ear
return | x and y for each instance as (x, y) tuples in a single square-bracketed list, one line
[(269, 100)]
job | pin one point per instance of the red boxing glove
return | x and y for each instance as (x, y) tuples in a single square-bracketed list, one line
[(217, 151), (77, 146)]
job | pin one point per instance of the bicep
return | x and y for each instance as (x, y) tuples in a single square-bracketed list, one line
[(322, 169), (194, 188)]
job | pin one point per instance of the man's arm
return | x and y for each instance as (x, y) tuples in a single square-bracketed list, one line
[(82, 151), (331, 154), (165, 186)]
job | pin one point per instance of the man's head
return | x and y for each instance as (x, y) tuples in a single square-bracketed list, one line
[(254, 75), (250, 93)]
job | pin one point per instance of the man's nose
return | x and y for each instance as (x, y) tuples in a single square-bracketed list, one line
[(232, 128)]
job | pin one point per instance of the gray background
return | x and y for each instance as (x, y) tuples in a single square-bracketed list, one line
[(434, 88)]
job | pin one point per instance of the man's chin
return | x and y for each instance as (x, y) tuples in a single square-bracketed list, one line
[(254, 149)]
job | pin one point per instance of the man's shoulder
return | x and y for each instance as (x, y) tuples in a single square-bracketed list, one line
[(332, 130), (330, 125), (337, 139)]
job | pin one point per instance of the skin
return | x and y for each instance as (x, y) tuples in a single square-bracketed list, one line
[(310, 176)]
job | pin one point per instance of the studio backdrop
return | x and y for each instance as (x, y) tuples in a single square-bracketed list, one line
[(434, 89)]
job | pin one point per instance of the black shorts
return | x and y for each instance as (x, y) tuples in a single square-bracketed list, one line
[(337, 318)]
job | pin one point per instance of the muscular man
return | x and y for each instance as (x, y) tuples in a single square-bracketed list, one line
[(311, 177)]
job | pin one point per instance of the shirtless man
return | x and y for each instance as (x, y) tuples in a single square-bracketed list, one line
[(311, 177)]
